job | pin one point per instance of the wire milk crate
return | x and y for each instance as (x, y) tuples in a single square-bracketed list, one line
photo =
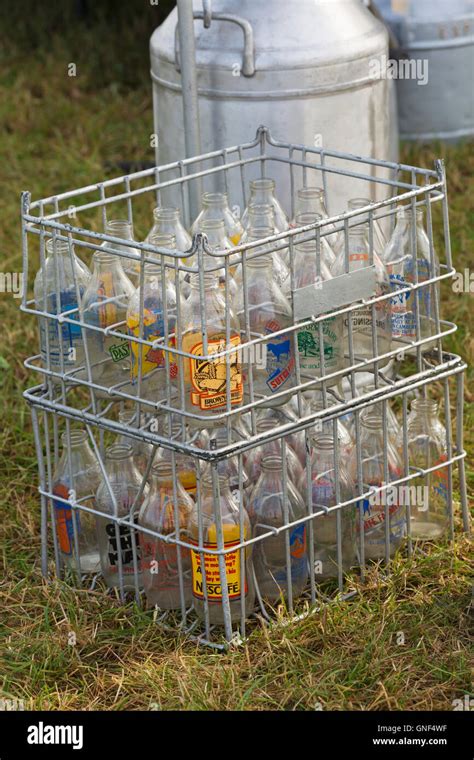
[(229, 476)]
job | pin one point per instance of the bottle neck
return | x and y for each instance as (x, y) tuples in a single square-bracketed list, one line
[(425, 407), (210, 281), (120, 228), (262, 191), (166, 215), (57, 247), (76, 439), (214, 201), (105, 262), (311, 199), (261, 215)]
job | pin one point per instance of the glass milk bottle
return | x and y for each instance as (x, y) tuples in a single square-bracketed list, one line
[(310, 200), (76, 477), (307, 272), (324, 494), (64, 278), (362, 318), (185, 465), (255, 456), (427, 448), (209, 383), (216, 206), (269, 508), (281, 273), (157, 298), (262, 191), (166, 221), (402, 264), (122, 228), (166, 567), (267, 311), (229, 467), (218, 242), (142, 451), (375, 507), (237, 589), (118, 544), (379, 240), (105, 305)]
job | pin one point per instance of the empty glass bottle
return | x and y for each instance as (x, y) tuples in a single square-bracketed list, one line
[(255, 457), (271, 507), (238, 591), (326, 253), (283, 414), (177, 278), (402, 265), (310, 200), (142, 451), (379, 239), (264, 312), (324, 482), (206, 380), (280, 274), (229, 467), (167, 221), (374, 508), (219, 242), (361, 319), (57, 285), (262, 191), (149, 369), (105, 304), (185, 466), (429, 513), (216, 206), (122, 228), (324, 428), (76, 478), (118, 544), (166, 567), (394, 427), (261, 224), (310, 269)]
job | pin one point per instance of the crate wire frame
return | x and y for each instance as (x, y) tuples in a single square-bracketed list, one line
[(53, 403)]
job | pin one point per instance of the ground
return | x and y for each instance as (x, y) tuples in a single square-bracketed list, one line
[(402, 643)]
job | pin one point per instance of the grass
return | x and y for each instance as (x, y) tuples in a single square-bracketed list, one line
[(60, 132)]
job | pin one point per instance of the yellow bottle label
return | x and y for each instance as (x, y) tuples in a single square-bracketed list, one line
[(235, 239), (207, 377), (231, 536), (152, 358)]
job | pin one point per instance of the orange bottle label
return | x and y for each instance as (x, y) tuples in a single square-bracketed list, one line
[(208, 377)]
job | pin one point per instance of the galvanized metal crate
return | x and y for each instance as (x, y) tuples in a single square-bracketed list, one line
[(64, 396)]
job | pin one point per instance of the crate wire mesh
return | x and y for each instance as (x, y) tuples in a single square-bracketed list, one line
[(74, 395)]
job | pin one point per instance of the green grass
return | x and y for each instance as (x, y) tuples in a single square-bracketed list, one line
[(58, 133)]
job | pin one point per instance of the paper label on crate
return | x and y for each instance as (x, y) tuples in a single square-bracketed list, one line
[(328, 295), (208, 377), (231, 535)]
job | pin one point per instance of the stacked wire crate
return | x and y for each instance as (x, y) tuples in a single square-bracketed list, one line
[(65, 399)]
